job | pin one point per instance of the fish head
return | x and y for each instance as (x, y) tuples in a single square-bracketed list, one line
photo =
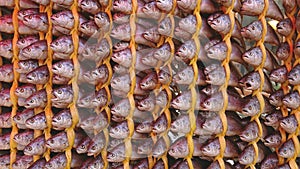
[(164, 77), (26, 41), (57, 141), (119, 131), (6, 45), (246, 157), (146, 104), (29, 149), (252, 31), (31, 18), (162, 99), (287, 150), (160, 124), (252, 81), (122, 6), (212, 103), (27, 66), (25, 137), (100, 99), (189, 21), (251, 108), (273, 140), (278, 74), (123, 57), (164, 4), (149, 83), (121, 45), (216, 77), (211, 124), (101, 18), (163, 53), (88, 4), (5, 141), (219, 22), (284, 27), (151, 34), (289, 123), (62, 17), (181, 124), (253, 56), (248, 135), (294, 76), (121, 108), (63, 118), (252, 5), (273, 118), (179, 148), (89, 27), (86, 100), (25, 91), (159, 148), (210, 89), (149, 60), (145, 147), (119, 30), (165, 27), (24, 161), (185, 76), (292, 100), (211, 149), (57, 94), (121, 82), (144, 127), (180, 102), (32, 102), (276, 98)]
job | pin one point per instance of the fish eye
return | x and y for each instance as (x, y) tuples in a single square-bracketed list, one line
[(59, 65), (33, 75), (30, 16), (82, 147), (22, 90), (94, 148), (18, 118), (253, 28), (31, 120), (52, 141), (29, 148), (59, 92), (22, 41), (31, 101), (28, 49), (58, 118)]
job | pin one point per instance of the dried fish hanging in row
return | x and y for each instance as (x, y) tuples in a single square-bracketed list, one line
[(149, 84)]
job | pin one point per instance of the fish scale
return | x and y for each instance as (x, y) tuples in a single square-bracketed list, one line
[(139, 71)]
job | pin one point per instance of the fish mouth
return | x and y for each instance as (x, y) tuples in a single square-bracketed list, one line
[(279, 27), (174, 105), (29, 78)]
